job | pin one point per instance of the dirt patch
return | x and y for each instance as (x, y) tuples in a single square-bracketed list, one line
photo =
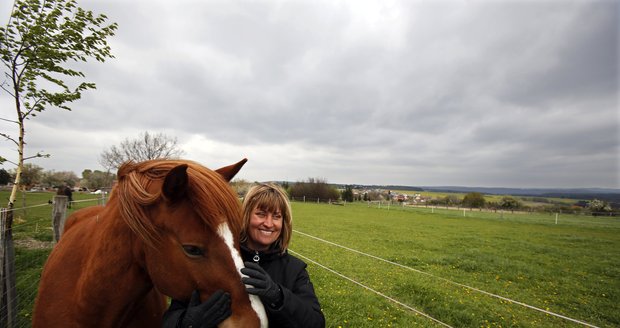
[(31, 243)]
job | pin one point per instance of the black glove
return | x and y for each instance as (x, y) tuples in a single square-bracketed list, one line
[(208, 314), (262, 285)]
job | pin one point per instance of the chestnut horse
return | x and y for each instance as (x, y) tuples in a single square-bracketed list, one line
[(169, 227)]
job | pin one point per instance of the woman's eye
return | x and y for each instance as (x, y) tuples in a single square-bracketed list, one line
[(193, 251)]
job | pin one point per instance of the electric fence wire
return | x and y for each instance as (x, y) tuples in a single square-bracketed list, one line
[(25, 207), (452, 282), (370, 289)]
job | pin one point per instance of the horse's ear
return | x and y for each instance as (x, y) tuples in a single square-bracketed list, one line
[(229, 172), (175, 184)]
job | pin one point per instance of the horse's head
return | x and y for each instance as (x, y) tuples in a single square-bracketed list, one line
[(188, 220)]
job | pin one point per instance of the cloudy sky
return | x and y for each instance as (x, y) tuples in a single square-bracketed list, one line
[(424, 93)]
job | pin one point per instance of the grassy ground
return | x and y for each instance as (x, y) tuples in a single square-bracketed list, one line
[(569, 268), (33, 236)]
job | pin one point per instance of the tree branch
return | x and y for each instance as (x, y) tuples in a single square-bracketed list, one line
[(2, 160), (8, 137), (37, 155), (6, 120)]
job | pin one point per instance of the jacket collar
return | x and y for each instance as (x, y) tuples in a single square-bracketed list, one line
[(258, 256)]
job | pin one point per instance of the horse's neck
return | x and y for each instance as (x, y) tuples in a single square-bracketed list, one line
[(113, 281)]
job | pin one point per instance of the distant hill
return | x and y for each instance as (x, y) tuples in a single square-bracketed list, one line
[(611, 195), (524, 191), (607, 194)]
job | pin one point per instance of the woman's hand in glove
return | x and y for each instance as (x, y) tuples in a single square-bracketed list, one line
[(262, 285), (208, 314)]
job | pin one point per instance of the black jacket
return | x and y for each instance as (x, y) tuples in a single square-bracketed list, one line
[(300, 307)]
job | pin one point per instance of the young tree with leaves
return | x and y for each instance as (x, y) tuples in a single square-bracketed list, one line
[(5, 177), (347, 194), (598, 207), (510, 203), (474, 200), (37, 47)]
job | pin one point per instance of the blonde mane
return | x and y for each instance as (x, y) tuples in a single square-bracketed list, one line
[(209, 194)]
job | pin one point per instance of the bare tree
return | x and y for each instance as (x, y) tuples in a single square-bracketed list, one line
[(146, 146)]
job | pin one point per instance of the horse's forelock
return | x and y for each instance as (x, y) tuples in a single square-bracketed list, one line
[(124, 169), (213, 198), (210, 195), (133, 195)]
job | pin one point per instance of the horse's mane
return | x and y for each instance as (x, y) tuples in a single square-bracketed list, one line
[(210, 196)]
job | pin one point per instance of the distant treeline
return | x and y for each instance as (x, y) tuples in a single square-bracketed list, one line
[(611, 198), (384, 187)]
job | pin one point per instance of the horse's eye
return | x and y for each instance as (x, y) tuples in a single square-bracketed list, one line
[(193, 251)]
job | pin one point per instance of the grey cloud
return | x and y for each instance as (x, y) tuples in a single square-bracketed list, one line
[(475, 93)]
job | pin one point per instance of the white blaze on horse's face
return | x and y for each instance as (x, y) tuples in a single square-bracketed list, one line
[(257, 305)]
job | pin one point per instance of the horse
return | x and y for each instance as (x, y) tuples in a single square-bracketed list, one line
[(169, 227)]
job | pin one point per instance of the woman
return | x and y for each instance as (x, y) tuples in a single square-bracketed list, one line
[(278, 278)]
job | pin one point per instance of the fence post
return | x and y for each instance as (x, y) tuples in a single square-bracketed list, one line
[(101, 200), (59, 215), (8, 296)]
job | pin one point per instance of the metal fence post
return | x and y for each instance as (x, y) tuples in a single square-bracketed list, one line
[(8, 296)]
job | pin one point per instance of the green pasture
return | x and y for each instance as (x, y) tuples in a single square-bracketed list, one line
[(33, 236), (386, 267), (569, 268)]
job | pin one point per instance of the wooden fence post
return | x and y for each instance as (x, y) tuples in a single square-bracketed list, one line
[(8, 296), (59, 215)]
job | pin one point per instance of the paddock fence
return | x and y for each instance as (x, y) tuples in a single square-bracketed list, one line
[(555, 217), (26, 241)]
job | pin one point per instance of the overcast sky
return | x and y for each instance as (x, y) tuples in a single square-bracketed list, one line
[(421, 93)]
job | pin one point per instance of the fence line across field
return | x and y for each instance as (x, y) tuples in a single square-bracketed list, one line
[(100, 201), (449, 281), (8, 279), (8, 307), (370, 289)]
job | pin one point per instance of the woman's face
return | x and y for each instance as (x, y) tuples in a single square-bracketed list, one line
[(265, 228)]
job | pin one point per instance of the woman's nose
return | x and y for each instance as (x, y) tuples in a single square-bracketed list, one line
[(268, 220)]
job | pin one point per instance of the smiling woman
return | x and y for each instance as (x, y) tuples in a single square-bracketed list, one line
[(278, 278), (266, 212)]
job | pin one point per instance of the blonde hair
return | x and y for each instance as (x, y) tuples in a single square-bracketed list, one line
[(271, 198)]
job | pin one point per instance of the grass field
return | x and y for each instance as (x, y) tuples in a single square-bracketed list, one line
[(363, 260), (569, 268)]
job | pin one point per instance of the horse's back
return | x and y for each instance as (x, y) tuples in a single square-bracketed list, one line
[(82, 215), (73, 275), (63, 269)]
